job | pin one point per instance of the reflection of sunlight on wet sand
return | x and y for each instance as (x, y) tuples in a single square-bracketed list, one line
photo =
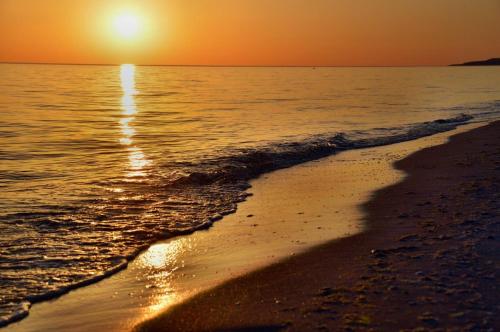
[(162, 260), (137, 159), (159, 255)]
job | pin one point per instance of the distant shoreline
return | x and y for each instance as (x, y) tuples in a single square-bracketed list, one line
[(489, 62)]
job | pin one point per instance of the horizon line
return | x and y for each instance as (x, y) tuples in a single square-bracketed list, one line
[(216, 65)]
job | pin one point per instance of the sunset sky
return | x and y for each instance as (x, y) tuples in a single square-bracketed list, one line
[(250, 32)]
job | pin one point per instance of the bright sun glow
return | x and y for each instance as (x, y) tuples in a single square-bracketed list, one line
[(127, 25)]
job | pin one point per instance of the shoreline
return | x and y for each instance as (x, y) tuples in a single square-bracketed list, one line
[(247, 240), (132, 279), (424, 262), (325, 150)]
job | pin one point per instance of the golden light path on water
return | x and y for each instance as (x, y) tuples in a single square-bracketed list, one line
[(137, 159), (160, 259)]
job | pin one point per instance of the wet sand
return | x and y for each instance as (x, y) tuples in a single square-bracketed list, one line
[(291, 211), (429, 259)]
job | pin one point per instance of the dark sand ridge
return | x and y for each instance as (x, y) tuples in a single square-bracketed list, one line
[(429, 260)]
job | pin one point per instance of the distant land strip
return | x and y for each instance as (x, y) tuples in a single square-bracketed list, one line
[(489, 62)]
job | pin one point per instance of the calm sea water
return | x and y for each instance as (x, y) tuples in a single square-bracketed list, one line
[(97, 162)]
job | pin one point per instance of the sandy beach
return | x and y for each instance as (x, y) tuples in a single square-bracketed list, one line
[(427, 261), (290, 211)]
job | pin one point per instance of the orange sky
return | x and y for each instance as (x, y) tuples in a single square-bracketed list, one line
[(253, 32)]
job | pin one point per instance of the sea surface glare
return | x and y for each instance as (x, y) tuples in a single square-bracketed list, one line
[(97, 162)]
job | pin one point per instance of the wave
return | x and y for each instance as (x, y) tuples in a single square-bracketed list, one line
[(248, 164)]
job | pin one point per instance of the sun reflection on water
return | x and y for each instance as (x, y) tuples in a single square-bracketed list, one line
[(137, 159), (127, 78)]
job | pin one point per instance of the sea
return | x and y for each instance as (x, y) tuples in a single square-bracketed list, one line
[(99, 162)]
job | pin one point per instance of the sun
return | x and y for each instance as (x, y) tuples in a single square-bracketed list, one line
[(127, 25)]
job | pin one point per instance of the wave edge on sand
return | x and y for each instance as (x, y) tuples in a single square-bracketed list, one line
[(424, 262), (234, 179)]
